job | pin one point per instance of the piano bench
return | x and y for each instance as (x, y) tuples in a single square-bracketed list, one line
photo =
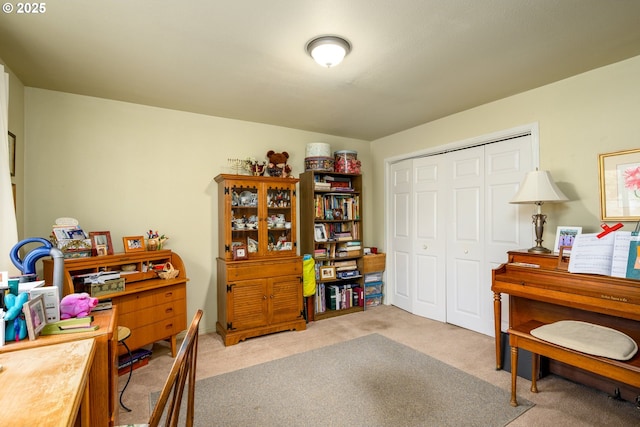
[(625, 371)]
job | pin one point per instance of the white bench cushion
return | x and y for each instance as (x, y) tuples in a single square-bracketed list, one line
[(588, 338)]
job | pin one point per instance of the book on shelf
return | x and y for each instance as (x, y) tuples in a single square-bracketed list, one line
[(335, 178), (322, 186)]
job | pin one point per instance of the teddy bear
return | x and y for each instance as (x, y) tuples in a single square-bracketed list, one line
[(278, 164), (77, 305)]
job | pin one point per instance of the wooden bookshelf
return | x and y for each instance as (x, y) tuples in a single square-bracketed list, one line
[(331, 231)]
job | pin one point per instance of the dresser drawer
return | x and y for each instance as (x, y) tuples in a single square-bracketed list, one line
[(154, 332), (149, 315), (262, 269), (134, 303)]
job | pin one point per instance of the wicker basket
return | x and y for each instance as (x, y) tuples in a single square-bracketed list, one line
[(168, 272)]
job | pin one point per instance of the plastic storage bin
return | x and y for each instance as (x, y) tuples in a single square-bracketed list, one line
[(347, 162)]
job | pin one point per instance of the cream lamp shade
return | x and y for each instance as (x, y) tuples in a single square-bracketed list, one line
[(538, 188)]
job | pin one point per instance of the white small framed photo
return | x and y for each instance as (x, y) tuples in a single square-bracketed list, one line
[(320, 233), (35, 316), (565, 236), (4, 280)]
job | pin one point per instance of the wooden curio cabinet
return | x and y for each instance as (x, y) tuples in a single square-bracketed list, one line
[(259, 213), (259, 274)]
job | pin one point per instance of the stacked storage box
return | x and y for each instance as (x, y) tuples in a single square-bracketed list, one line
[(373, 267)]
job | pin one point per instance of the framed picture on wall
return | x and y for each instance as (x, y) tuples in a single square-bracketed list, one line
[(12, 154), (619, 174)]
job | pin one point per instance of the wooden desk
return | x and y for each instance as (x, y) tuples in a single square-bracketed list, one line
[(103, 375), (47, 386), (546, 294)]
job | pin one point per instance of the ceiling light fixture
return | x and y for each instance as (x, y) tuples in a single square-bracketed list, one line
[(328, 51)]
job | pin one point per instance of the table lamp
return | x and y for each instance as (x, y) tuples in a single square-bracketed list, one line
[(537, 188)]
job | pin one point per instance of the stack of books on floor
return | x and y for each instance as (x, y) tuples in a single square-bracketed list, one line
[(139, 358)]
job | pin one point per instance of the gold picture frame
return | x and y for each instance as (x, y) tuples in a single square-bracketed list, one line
[(327, 273), (133, 244), (619, 174), (35, 316)]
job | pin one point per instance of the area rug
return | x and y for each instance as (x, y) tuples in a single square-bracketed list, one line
[(367, 381)]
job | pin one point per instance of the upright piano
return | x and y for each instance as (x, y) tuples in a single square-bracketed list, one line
[(540, 289)]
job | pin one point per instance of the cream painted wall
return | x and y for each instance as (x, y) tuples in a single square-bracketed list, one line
[(127, 168), (579, 118)]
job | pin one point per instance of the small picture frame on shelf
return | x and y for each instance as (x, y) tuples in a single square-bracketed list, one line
[(240, 252), (565, 236), (98, 239), (133, 244), (320, 233), (4, 280), (35, 316), (327, 273)]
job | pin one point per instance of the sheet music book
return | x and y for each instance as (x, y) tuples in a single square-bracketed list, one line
[(606, 256)]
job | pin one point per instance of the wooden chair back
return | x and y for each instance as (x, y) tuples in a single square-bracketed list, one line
[(182, 371)]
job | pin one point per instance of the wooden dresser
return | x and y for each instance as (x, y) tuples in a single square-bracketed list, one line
[(545, 293), (153, 308)]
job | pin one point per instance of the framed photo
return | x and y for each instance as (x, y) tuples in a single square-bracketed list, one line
[(619, 174), (327, 273), (101, 238), (12, 154), (133, 244), (320, 233), (565, 235), (4, 280), (35, 316), (240, 252)]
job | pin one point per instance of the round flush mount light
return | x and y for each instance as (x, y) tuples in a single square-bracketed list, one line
[(328, 51)]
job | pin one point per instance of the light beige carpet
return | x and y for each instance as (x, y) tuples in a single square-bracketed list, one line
[(367, 381), (559, 402)]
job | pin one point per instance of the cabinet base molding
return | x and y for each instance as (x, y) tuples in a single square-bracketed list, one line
[(231, 337)]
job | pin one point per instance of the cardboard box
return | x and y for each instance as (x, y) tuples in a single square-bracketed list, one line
[(51, 301), (97, 290), (373, 263)]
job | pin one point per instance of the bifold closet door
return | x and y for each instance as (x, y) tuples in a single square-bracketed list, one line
[(451, 224)]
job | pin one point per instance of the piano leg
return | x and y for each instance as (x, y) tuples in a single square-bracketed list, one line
[(497, 324), (514, 375)]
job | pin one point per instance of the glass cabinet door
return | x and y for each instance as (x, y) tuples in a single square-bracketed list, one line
[(244, 217), (280, 228)]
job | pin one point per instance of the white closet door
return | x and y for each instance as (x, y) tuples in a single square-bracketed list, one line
[(451, 224), (429, 190), (401, 253), (465, 238), (508, 226)]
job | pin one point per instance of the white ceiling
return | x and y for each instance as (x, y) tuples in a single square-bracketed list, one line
[(412, 61)]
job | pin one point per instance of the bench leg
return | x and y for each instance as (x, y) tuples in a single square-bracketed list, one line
[(535, 366), (514, 375)]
